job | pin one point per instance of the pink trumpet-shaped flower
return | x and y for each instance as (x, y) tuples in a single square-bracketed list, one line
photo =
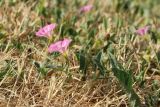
[(86, 8), (46, 30), (142, 31), (60, 46)]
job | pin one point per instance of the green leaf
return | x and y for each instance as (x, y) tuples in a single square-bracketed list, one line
[(114, 62), (105, 23), (82, 61), (92, 33), (97, 61), (71, 31), (36, 64), (154, 37), (2, 35), (125, 78), (2, 74), (41, 69)]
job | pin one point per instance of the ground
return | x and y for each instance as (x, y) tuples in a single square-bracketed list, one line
[(107, 64)]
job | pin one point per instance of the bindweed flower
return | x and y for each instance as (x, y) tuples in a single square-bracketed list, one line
[(142, 31), (46, 30), (86, 8), (60, 46)]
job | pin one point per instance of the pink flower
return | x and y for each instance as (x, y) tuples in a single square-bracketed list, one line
[(60, 46), (142, 31), (46, 30), (86, 8)]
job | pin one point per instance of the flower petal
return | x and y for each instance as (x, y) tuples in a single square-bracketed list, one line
[(60, 46), (86, 8), (46, 30), (66, 42), (142, 31), (55, 47)]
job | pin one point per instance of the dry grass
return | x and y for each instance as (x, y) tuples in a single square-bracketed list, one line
[(23, 86)]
